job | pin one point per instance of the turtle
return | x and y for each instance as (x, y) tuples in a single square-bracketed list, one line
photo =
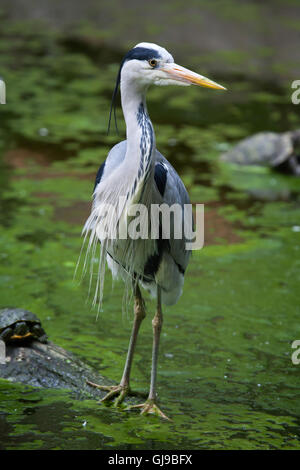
[(279, 151), (17, 324)]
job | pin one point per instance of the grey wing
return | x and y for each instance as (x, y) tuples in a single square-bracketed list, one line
[(172, 192), (113, 160), (166, 267)]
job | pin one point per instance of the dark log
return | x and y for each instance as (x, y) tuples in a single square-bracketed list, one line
[(50, 366)]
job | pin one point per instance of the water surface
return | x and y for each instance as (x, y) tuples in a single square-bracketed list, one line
[(225, 373)]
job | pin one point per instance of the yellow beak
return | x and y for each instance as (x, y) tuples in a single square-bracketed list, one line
[(184, 75)]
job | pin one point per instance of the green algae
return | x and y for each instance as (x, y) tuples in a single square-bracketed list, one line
[(225, 372)]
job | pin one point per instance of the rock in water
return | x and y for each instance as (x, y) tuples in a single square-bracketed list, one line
[(280, 151)]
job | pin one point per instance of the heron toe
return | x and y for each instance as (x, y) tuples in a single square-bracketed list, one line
[(119, 392), (149, 407)]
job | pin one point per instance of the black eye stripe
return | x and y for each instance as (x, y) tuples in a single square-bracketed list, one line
[(141, 53)]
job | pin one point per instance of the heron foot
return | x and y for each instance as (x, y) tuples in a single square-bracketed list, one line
[(149, 407), (119, 391)]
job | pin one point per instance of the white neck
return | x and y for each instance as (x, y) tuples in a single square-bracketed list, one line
[(139, 130)]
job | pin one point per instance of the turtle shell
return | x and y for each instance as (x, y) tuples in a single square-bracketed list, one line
[(19, 324), (264, 148)]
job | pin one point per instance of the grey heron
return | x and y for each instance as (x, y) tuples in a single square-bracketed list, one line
[(135, 172)]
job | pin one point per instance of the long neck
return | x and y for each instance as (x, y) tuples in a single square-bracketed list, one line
[(139, 130)]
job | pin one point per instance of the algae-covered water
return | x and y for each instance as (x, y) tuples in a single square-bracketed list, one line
[(225, 373)]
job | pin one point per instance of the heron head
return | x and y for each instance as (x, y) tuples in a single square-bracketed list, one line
[(149, 63)]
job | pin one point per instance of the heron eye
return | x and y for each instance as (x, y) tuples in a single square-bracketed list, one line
[(153, 62)]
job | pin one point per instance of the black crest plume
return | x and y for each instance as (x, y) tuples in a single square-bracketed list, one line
[(113, 102)]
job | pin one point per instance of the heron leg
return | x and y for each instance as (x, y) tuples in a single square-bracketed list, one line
[(123, 388), (150, 406)]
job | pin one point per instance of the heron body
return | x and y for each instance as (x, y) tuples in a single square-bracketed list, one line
[(161, 262), (135, 172)]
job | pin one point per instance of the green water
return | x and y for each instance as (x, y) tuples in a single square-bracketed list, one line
[(225, 373)]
